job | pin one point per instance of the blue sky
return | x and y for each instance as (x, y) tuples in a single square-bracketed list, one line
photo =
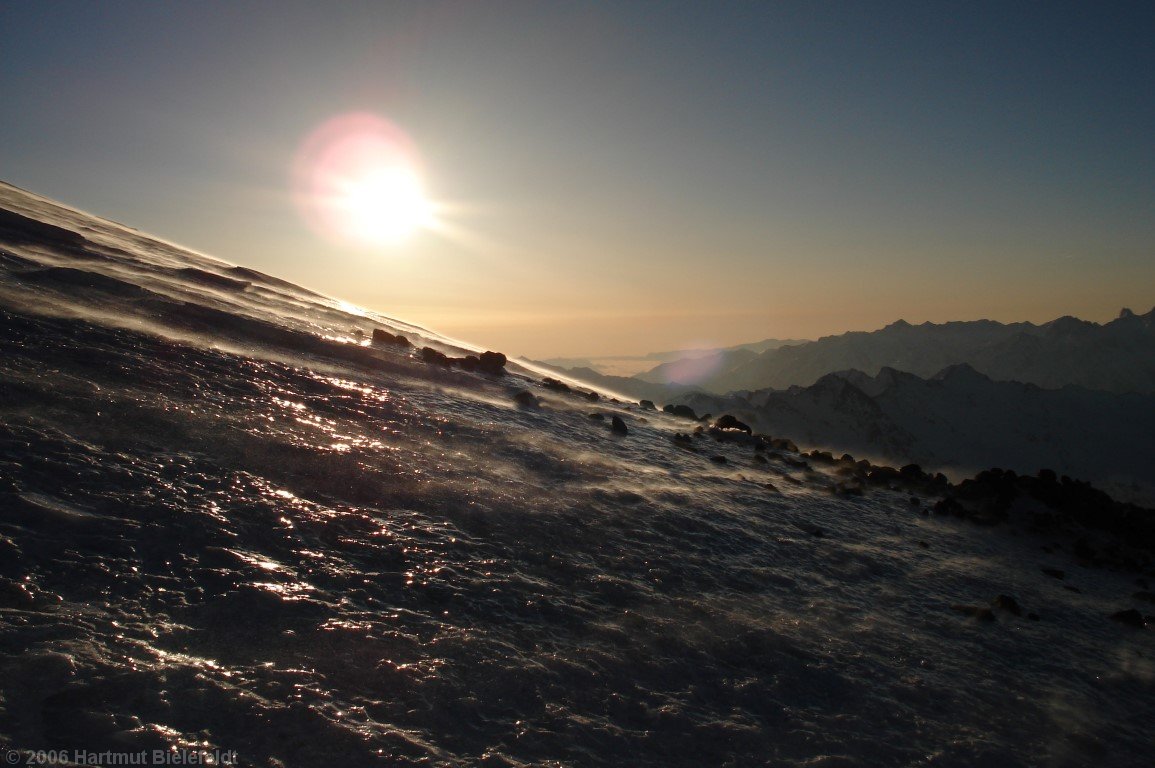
[(620, 177)]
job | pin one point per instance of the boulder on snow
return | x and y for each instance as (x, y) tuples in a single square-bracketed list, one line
[(782, 444), (433, 357), (492, 362), (726, 421), (555, 385), (685, 411), (384, 337), (618, 427)]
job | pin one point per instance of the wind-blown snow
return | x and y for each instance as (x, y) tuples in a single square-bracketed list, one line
[(226, 522)]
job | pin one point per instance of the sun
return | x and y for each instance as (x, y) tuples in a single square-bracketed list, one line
[(383, 205), (357, 180)]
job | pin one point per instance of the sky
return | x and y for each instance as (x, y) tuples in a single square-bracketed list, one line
[(619, 178)]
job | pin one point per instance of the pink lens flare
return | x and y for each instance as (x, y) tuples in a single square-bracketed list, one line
[(356, 178)]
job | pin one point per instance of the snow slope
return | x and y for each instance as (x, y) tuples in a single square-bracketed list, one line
[(227, 522)]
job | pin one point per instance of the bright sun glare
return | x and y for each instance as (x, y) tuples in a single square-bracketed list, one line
[(384, 205), (357, 180)]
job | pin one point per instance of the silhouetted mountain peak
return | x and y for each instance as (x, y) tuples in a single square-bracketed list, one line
[(961, 373), (1068, 326), (1133, 322)]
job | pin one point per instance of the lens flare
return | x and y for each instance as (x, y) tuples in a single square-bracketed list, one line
[(357, 179)]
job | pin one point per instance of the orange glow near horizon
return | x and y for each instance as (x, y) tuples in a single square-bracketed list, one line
[(357, 180)]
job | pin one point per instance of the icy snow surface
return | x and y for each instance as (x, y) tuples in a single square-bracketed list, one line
[(226, 521)]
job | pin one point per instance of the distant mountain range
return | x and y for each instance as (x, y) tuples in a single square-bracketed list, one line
[(961, 421), (1118, 356)]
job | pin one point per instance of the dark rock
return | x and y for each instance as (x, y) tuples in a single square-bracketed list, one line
[(883, 475), (598, 416), (730, 435), (593, 397), (727, 421), (718, 459), (1129, 617), (912, 472), (618, 427), (923, 545), (492, 362), (384, 337), (526, 399), (913, 501), (683, 439), (1008, 604), (1055, 573), (1067, 502), (433, 357), (771, 487), (799, 463), (949, 505), (1069, 588), (647, 405), (760, 459), (684, 411), (470, 363), (555, 385)]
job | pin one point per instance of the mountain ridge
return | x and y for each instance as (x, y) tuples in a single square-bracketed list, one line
[(1115, 356)]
